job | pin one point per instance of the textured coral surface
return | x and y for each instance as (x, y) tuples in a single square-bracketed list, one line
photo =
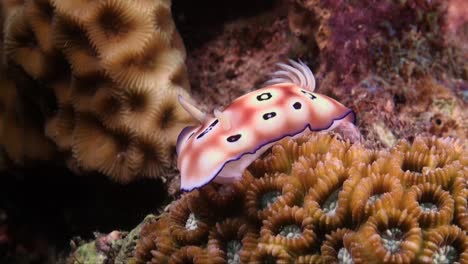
[(319, 199), (108, 73)]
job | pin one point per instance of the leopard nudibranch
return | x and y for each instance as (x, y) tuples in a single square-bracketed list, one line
[(228, 141)]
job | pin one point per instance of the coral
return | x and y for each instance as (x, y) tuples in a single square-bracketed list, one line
[(270, 253), (231, 241), (327, 200), (400, 60), (187, 254), (264, 195), (188, 221), (239, 57), (432, 205), (113, 71), (390, 236), (402, 36), (291, 228), (376, 192), (334, 202), (334, 247), (445, 244), (20, 134)]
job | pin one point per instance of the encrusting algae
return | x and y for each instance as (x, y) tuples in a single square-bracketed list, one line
[(112, 71), (319, 199)]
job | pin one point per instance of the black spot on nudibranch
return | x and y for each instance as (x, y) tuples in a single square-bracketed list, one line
[(297, 105), (234, 138), (309, 94), (269, 115), (264, 96), (208, 129)]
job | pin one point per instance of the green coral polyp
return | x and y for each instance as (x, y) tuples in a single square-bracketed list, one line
[(233, 248), (373, 199), (392, 239), (344, 257), (191, 223), (428, 207), (331, 203), (269, 198), (291, 231), (445, 254)]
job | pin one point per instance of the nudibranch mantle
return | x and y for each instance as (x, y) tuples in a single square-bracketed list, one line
[(225, 143)]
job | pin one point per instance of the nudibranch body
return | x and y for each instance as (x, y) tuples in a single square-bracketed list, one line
[(230, 140)]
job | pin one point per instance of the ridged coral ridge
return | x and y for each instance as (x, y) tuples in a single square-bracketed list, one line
[(431, 204), (391, 236), (318, 199), (116, 69)]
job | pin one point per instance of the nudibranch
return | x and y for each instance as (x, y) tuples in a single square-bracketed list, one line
[(228, 141)]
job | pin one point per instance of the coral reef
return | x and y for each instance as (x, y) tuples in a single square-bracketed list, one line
[(349, 208), (400, 65), (111, 72), (386, 54)]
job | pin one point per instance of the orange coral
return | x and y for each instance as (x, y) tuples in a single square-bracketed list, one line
[(231, 240), (189, 224), (263, 196), (291, 228), (326, 202), (445, 244), (432, 205), (333, 246), (332, 203), (390, 236), (378, 191), (270, 253)]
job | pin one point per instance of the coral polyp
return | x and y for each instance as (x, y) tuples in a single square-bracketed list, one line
[(265, 195), (445, 244), (431, 204), (391, 236), (326, 200), (334, 248), (331, 207), (373, 193), (291, 228), (121, 62), (189, 224), (232, 241), (270, 253)]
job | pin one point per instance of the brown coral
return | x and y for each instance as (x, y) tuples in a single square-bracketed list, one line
[(378, 191), (21, 47), (110, 152), (265, 195), (231, 240), (334, 248), (126, 71), (445, 244), (270, 253), (187, 254), (460, 196), (391, 236), (268, 216), (189, 221), (40, 14), (291, 228), (431, 204), (326, 201)]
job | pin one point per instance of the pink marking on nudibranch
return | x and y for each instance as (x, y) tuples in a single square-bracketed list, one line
[(226, 143)]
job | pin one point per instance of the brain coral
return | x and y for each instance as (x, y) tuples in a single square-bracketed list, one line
[(319, 199), (114, 69)]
